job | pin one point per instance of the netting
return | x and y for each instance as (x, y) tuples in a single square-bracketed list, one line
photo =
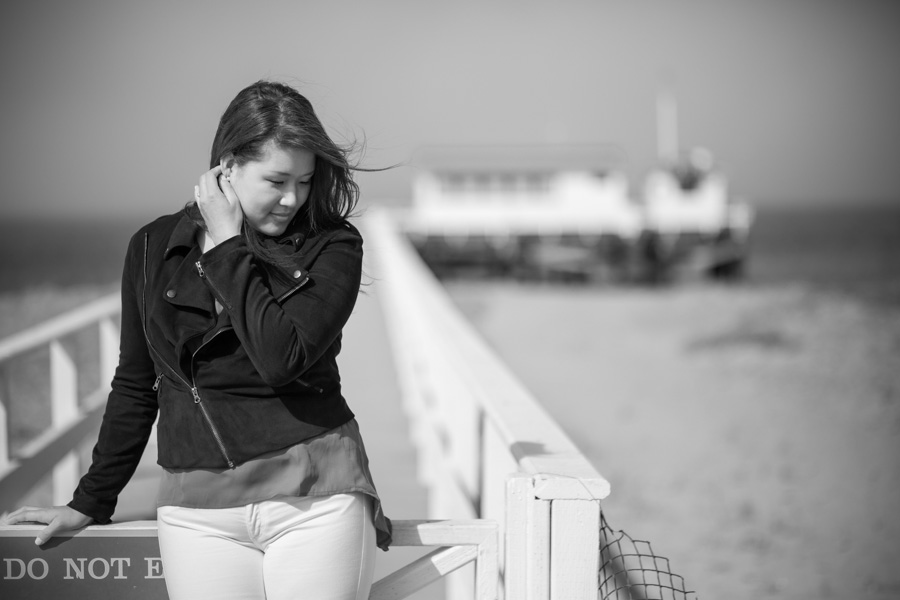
[(630, 570)]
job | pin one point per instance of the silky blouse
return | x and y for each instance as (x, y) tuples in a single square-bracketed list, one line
[(334, 462)]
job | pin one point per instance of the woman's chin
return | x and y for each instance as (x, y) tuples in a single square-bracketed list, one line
[(272, 228)]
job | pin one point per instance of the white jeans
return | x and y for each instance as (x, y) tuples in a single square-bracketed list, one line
[(321, 548)]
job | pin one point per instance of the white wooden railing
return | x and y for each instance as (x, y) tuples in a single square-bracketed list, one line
[(136, 564), (486, 447), (510, 496), (72, 419), (458, 542)]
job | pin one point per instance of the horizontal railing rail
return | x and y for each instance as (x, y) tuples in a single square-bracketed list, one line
[(461, 543), (84, 565), (98, 311)]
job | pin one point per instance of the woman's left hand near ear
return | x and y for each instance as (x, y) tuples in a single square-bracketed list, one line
[(219, 206)]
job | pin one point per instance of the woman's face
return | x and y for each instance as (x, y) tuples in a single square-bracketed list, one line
[(273, 188)]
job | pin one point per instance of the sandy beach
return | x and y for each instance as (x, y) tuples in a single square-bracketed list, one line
[(752, 435)]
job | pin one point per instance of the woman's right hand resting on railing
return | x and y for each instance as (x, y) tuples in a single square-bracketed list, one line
[(57, 519)]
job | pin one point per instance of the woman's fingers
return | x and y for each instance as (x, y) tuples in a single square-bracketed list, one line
[(57, 519), (62, 518), (30, 514), (209, 185), (219, 205), (228, 190), (56, 524), (27, 514)]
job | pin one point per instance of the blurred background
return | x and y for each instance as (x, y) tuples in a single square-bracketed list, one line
[(109, 108), (724, 416)]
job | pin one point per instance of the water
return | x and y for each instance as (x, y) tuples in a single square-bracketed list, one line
[(854, 249), (847, 248), (57, 253)]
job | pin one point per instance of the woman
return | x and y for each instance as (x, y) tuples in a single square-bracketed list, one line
[(232, 311)]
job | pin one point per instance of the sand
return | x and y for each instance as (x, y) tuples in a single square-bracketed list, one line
[(752, 435)]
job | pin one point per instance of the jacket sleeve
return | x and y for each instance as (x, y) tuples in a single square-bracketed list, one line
[(284, 339), (130, 409)]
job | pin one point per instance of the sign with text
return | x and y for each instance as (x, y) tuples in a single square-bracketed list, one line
[(106, 561)]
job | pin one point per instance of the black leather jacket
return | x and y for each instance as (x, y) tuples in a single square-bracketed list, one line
[(259, 376)]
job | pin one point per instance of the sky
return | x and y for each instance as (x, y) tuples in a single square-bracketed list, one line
[(109, 107)]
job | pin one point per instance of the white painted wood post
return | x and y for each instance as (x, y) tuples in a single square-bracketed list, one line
[(4, 434), (460, 584), (4, 419), (574, 549), (526, 569), (109, 360), (64, 410), (109, 350), (538, 547), (514, 565), (487, 581)]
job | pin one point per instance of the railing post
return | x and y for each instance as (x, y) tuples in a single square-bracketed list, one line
[(514, 564), (4, 424), (526, 570), (487, 568), (574, 549), (109, 350), (64, 410)]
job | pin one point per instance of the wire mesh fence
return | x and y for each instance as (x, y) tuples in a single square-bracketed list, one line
[(630, 570)]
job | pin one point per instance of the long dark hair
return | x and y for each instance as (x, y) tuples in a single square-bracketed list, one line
[(270, 111)]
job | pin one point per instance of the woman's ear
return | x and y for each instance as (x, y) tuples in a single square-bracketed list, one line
[(228, 163)]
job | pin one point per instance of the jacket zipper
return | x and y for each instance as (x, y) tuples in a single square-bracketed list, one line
[(202, 274), (194, 391), (317, 389), (299, 285)]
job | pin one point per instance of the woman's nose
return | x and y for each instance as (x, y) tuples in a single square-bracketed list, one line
[(289, 199)]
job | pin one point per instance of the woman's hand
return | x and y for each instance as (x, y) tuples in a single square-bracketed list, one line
[(57, 518), (219, 206)]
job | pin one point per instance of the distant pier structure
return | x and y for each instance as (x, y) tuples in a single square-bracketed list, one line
[(567, 212)]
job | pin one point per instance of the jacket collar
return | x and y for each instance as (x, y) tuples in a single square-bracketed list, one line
[(183, 236), (283, 281)]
